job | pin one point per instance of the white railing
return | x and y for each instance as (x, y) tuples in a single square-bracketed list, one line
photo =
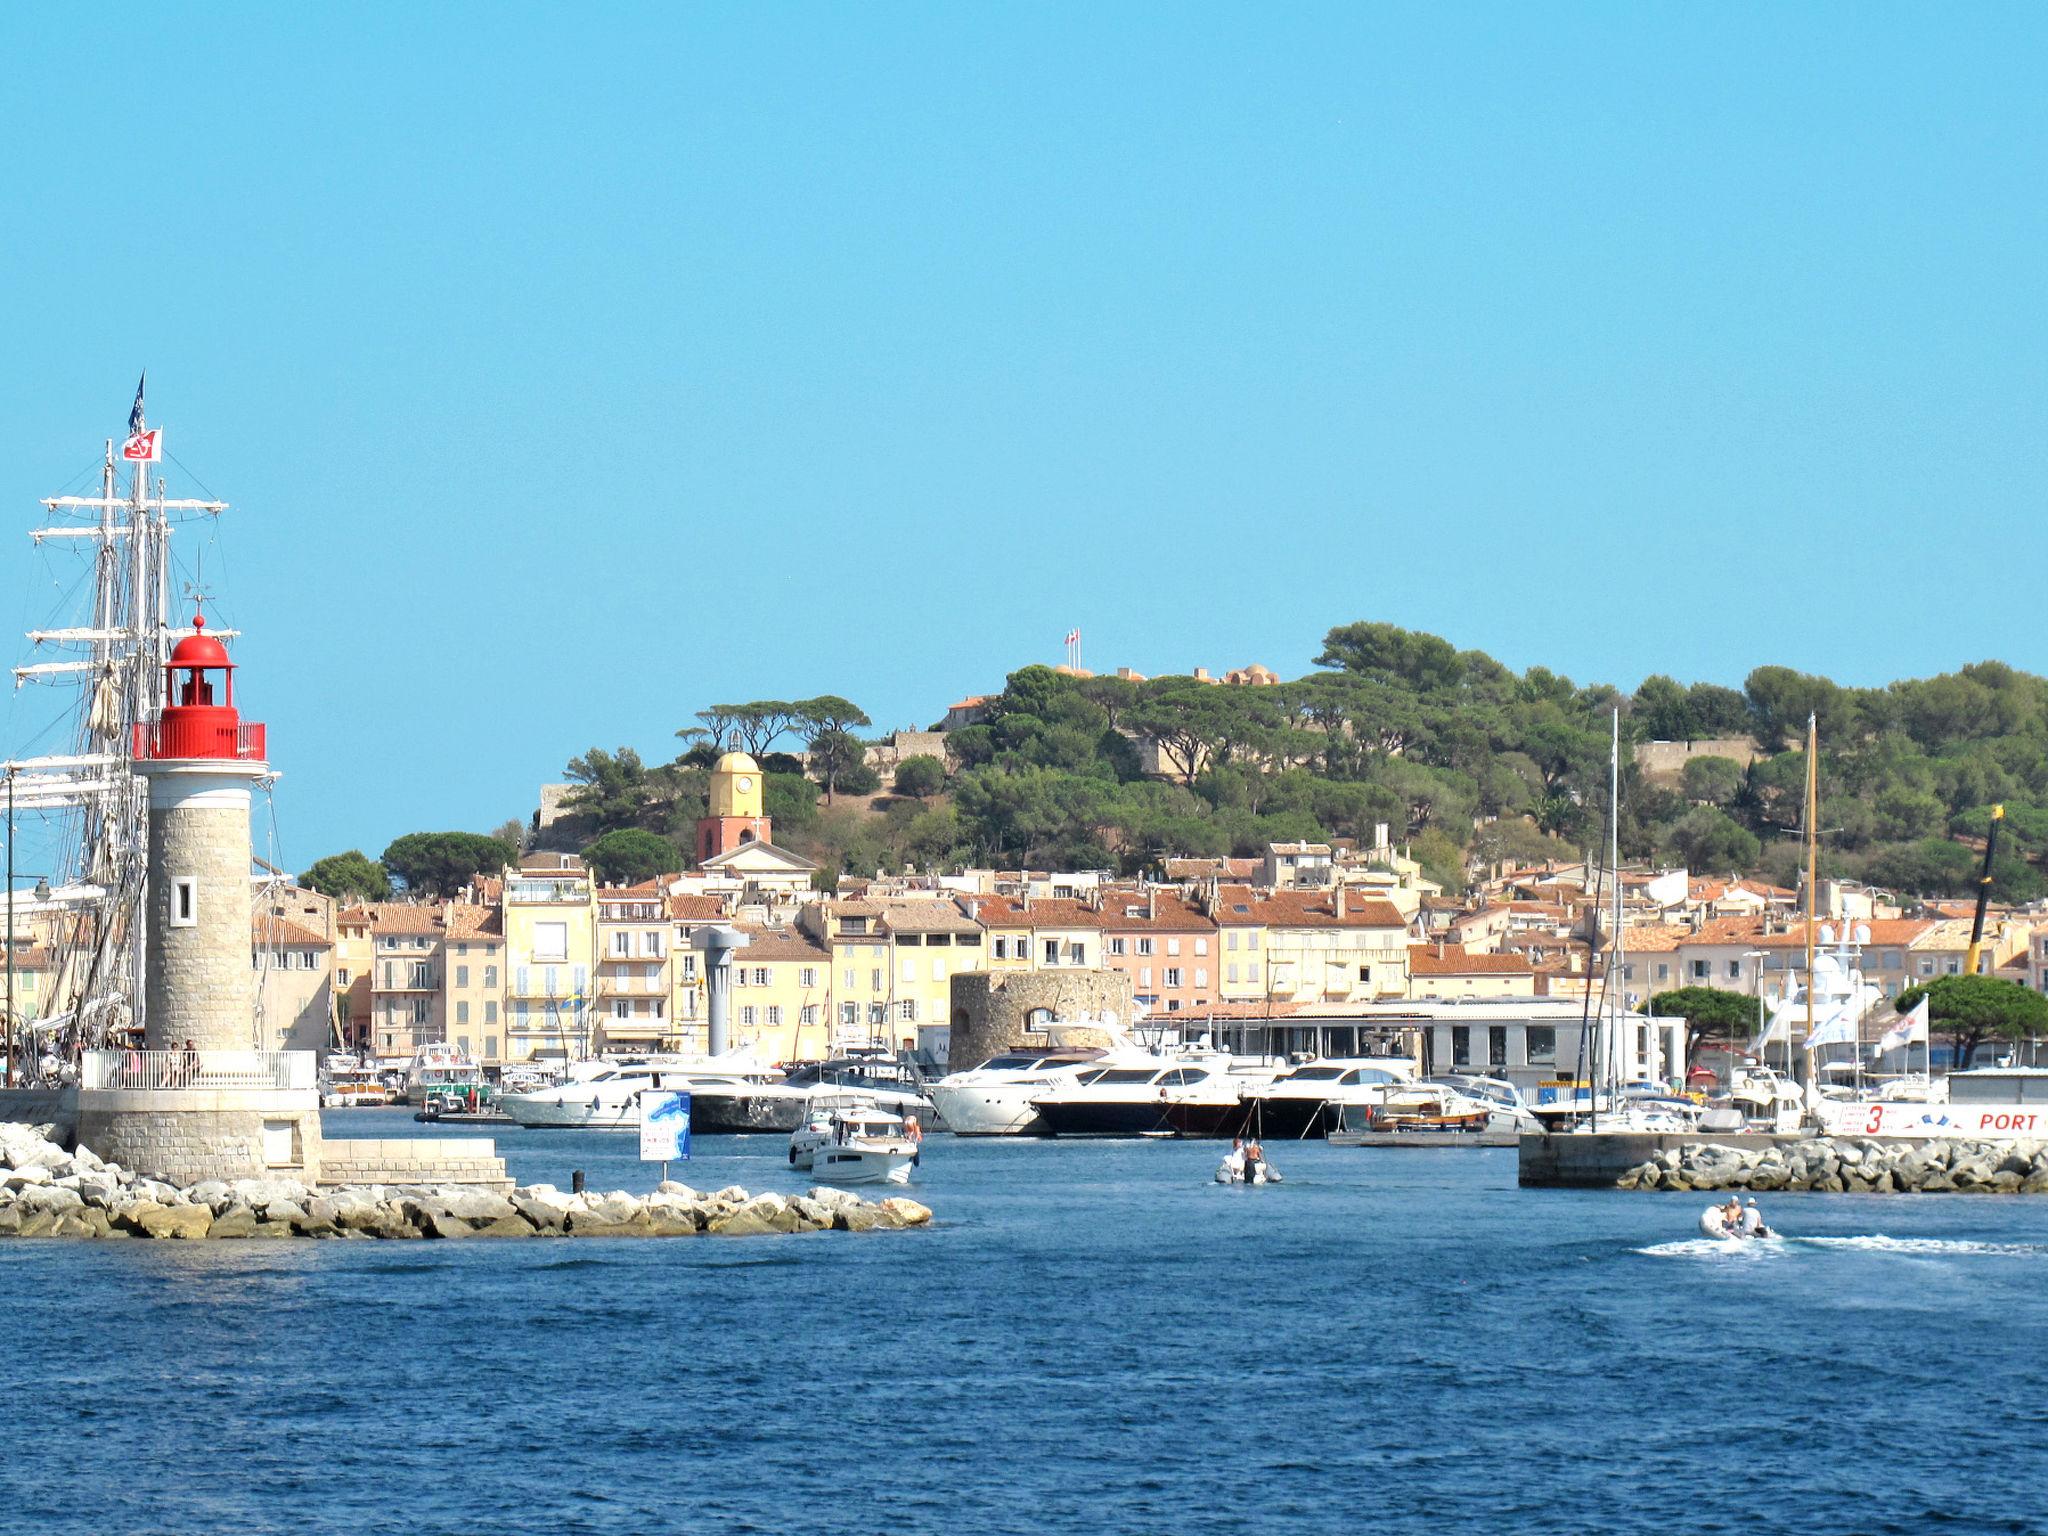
[(279, 1070)]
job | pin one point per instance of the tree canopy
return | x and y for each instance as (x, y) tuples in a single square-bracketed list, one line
[(1974, 1009), (351, 876), (628, 855), (439, 864)]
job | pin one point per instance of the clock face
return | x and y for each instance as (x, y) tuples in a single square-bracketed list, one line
[(743, 783)]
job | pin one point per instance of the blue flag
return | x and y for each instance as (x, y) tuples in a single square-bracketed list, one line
[(135, 411)]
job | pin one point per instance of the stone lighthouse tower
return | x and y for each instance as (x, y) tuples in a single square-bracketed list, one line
[(201, 760), (201, 1100)]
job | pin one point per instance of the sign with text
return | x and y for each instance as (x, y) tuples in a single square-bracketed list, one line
[(1972, 1122), (664, 1126)]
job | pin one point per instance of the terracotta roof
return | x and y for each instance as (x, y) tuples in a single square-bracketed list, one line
[(779, 944), (1891, 931), (1728, 930), (1253, 1011), (1046, 912), (1202, 869), (395, 917), (1654, 938), (283, 933), (1453, 960), (1128, 911), (910, 914), (33, 958), (467, 921), (1318, 909), (696, 909)]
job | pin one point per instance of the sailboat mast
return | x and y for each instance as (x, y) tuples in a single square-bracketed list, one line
[(1812, 865), (1618, 1003)]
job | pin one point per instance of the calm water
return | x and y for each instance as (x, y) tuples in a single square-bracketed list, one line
[(1096, 1339)]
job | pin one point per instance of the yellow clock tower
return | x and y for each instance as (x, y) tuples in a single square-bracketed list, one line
[(736, 816)]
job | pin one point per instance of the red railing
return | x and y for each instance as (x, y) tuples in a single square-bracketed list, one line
[(182, 733)]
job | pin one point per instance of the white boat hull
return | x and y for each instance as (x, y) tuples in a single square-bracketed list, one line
[(860, 1165), (554, 1114), (989, 1109)]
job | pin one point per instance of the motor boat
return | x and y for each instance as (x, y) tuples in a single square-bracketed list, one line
[(1422, 1109), (1310, 1099), (994, 1099), (851, 1141), (784, 1104), (1164, 1099), (1236, 1168), (608, 1098), (437, 1070), (1509, 1107)]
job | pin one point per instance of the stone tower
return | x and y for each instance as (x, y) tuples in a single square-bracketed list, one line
[(736, 815), (201, 1100)]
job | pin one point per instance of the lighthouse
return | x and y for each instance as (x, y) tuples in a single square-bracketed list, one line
[(201, 760), (201, 1099)]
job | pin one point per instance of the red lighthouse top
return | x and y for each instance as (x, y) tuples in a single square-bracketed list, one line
[(199, 718)]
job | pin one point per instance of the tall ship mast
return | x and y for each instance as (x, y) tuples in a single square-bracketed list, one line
[(91, 805)]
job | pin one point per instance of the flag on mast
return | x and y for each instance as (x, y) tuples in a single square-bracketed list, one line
[(1910, 1030), (144, 446)]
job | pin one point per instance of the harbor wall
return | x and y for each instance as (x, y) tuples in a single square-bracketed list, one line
[(56, 1107), (1598, 1160), (1820, 1164)]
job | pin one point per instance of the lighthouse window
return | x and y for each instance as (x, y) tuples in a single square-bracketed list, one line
[(184, 901)]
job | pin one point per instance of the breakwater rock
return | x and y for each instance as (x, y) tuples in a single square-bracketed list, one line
[(1842, 1165), (48, 1192)]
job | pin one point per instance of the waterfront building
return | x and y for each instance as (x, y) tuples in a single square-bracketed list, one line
[(1310, 947), (892, 964), (688, 999), (1449, 972), (355, 951), (406, 998), (550, 926), (781, 996), (294, 984), (473, 972), (634, 954), (1166, 944)]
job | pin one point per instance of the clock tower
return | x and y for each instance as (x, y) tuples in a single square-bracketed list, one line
[(736, 815)]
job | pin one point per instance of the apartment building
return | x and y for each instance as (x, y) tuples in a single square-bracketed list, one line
[(1309, 947), (473, 966), (550, 922), (294, 983), (1450, 972), (781, 995), (1166, 944), (635, 948)]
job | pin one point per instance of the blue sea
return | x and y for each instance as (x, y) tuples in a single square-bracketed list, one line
[(1093, 1337)]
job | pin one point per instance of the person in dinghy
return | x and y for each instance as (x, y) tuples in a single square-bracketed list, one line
[(1733, 1221)]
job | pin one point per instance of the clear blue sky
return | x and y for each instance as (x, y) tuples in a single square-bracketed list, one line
[(573, 367)]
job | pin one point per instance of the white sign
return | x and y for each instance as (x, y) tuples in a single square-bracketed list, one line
[(664, 1126), (1971, 1122), (144, 447)]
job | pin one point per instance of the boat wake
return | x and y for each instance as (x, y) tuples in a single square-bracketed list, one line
[(1750, 1249)]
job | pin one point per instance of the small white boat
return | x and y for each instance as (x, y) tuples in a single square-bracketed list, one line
[(853, 1143), (1237, 1169)]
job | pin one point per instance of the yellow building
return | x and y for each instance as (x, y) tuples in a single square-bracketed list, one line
[(1319, 948), (550, 919), (634, 957), (781, 994), (473, 954), (893, 963)]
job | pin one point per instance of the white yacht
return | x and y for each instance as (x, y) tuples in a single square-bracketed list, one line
[(1188, 1098), (1508, 1106), (1310, 1099), (994, 1099), (601, 1097), (853, 1143)]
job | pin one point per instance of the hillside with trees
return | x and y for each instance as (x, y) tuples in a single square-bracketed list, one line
[(1464, 760)]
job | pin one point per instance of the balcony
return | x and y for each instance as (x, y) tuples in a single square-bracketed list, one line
[(409, 982), (189, 733), (631, 986), (282, 1071)]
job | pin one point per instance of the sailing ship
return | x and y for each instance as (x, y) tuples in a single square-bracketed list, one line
[(89, 808)]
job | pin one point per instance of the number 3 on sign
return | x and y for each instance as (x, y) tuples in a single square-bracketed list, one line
[(1875, 1122)]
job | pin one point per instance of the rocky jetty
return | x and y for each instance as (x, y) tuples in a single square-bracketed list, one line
[(1841, 1165), (48, 1192)]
